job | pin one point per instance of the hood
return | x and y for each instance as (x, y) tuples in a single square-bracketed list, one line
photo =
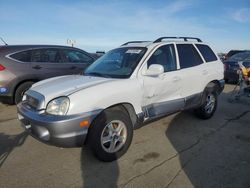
[(65, 85)]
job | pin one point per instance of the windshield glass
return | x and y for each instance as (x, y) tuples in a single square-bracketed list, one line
[(117, 63), (240, 57)]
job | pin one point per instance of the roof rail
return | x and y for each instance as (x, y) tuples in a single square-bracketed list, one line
[(185, 39), (130, 42)]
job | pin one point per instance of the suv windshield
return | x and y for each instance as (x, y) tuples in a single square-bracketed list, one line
[(245, 56), (117, 63)]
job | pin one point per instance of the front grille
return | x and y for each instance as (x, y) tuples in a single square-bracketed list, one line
[(33, 102), (34, 99)]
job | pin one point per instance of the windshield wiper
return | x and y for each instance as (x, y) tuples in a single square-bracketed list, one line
[(97, 74)]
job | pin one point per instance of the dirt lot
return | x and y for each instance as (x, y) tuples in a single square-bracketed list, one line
[(176, 151)]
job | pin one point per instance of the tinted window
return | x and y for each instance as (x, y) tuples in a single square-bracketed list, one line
[(22, 56), (46, 55), (188, 56), (206, 52), (74, 56), (165, 56)]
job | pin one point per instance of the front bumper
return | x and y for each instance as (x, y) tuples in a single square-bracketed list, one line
[(61, 131)]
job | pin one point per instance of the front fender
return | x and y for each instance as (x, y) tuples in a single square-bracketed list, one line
[(105, 95)]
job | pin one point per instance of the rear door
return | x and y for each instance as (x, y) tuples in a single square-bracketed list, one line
[(76, 60), (192, 71)]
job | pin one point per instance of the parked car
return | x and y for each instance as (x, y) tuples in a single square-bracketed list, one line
[(125, 88), (233, 52), (23, 65), (232, 66)]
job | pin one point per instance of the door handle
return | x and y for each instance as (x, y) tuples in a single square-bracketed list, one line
[(176, 79), (204, 72), (37, 67)]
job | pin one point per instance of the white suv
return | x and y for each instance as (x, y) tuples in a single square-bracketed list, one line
[(130, 85)]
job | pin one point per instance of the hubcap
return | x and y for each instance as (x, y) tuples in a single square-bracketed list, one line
[(114, 136), (210, 103)]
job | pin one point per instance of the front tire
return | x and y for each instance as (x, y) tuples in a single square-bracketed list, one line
[(110, 134), (209, 106), (21, 89)]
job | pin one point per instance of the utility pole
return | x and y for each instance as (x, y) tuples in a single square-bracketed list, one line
[(71, 42)]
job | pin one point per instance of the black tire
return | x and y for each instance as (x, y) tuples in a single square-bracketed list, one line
[(96, 131), (21, 90), (202, 111)]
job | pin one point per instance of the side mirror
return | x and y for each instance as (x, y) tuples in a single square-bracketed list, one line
[(154, 70)]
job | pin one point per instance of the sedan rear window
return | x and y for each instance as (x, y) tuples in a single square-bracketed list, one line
[(243, 56)]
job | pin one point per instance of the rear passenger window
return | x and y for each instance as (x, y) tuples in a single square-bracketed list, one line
[(46, 55), (74, 56), (165, 56), (206, 52), (188, 56), (22, 56)]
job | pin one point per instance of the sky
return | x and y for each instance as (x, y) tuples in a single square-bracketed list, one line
[(106, 24)]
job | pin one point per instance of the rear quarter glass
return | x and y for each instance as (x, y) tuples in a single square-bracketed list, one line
[(206, 52), (23, 56)]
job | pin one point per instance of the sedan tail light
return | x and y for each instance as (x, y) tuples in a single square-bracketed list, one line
[(1, 67)]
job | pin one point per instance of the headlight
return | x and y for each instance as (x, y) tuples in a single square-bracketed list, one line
[(58, 106)]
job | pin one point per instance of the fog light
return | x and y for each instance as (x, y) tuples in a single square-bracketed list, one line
[(3, 89)]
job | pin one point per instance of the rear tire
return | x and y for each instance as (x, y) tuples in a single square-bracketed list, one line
[(21, 89), (209, 106), (110, 134)]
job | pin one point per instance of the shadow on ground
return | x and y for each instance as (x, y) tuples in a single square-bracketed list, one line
[(210, 152), (8, 143), (96, 173)]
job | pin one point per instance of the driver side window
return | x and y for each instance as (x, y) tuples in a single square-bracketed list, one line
[(165, 56)]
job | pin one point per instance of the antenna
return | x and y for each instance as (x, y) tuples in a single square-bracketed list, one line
[(3, 41), (71, 42)]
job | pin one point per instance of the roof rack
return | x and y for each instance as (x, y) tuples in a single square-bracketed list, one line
[(130, 42), (185, 39)]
